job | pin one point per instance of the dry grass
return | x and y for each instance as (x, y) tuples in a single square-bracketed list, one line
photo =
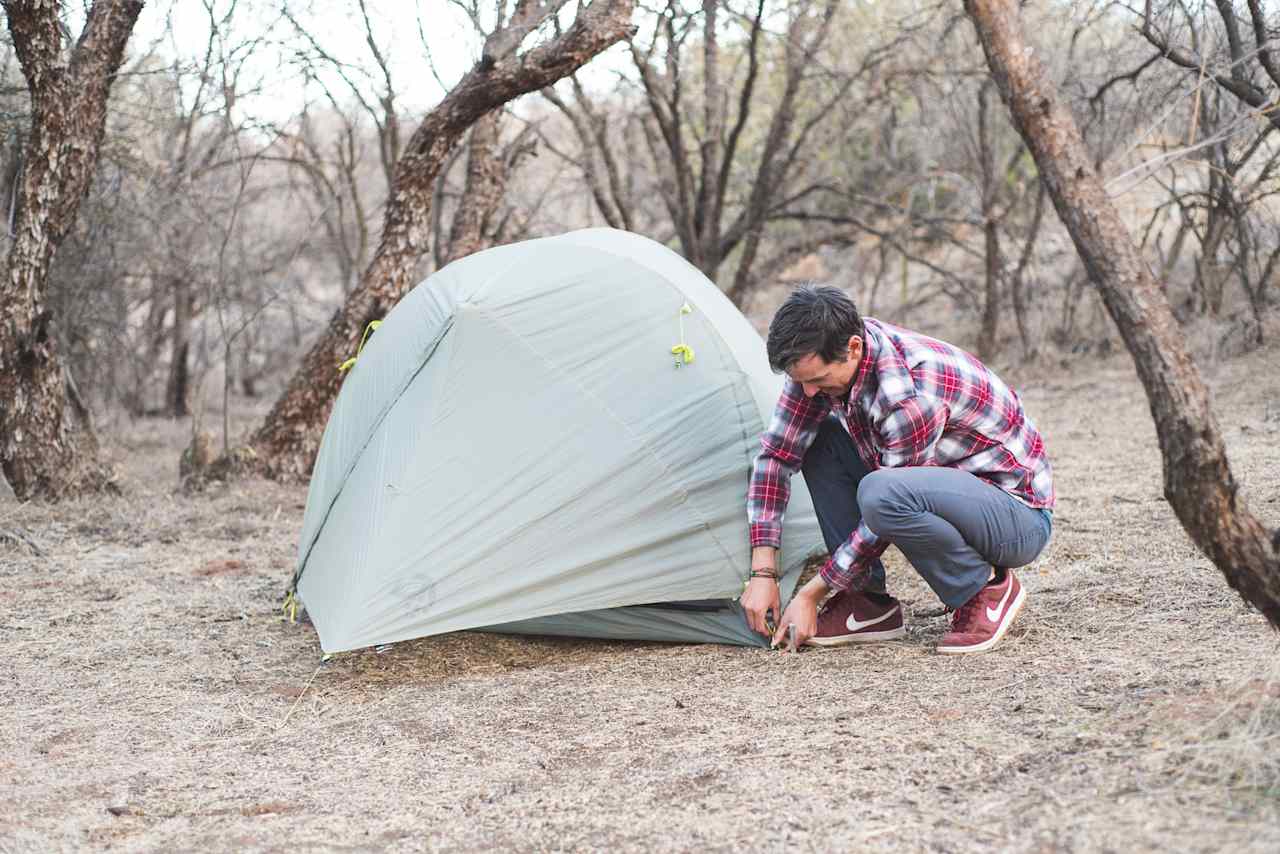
[(155, 699), (1239, 743)]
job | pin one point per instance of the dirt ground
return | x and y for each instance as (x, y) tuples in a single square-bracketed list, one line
[(154, 699)]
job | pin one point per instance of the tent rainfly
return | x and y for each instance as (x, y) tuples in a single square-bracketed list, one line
[(542, 439)]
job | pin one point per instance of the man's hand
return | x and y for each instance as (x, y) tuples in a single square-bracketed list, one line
[(802, 613), (760, 596)]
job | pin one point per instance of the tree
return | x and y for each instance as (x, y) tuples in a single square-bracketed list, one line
[(285, 445), (1231, 57), (1251, 72), (478, 221), (173, 275), (327, 147), (1197, 478), (727, 130), (938, 181), (47, 445), (953, 190)]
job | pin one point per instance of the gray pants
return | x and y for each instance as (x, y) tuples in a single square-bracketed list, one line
[(952, 526)]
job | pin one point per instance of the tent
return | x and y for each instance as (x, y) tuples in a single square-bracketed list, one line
[(549, 437)]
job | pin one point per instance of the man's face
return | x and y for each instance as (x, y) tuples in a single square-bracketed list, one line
[(815, 374)]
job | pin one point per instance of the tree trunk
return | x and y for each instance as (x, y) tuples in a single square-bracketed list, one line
[(1017, 283), (479, 221), (989, 337), (1197, 479), (178, 388), (285, 446), (249, 373), (45, 450), (486, 182), (1210, 275)]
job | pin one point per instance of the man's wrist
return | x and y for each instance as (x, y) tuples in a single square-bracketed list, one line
[(816, 589), (765, 559)]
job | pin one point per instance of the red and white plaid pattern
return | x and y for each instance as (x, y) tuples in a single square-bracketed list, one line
[(915, 401)]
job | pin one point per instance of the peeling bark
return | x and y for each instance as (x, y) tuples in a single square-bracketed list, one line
[(1197, 479), (46, 451), (486, 181), (476, 223), (285, 446)]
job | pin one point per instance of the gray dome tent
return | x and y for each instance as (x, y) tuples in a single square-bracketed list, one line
[(518, 449)]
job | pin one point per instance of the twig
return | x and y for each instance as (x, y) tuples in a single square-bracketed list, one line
[(19, 537), (1195, 112), (300, 696)]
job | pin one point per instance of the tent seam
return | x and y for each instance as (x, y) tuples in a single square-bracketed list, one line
[(377, 423), (364, 446)]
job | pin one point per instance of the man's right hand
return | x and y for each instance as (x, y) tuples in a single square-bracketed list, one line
[(758, 599)]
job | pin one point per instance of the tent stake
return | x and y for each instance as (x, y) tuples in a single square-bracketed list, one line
[(300, 696)]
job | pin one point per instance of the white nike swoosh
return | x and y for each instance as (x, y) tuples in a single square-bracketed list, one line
[(993, 614), (853, 625)]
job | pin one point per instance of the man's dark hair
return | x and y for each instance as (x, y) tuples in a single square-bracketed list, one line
[(815, 319)]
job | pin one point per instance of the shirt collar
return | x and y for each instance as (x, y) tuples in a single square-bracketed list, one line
[(862, 378)]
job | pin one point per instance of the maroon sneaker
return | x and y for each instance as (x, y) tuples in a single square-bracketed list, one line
[(854, 617), (979, 623)]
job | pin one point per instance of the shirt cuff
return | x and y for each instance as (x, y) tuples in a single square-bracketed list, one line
[(766, 534), (838, 579)]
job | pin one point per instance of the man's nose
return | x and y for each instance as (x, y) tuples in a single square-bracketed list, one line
[(809, 389)]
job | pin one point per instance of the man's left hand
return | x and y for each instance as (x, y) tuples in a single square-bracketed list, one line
[(760, 597), (802, 613)]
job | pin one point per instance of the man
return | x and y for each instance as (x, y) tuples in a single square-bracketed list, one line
[(903, 439)]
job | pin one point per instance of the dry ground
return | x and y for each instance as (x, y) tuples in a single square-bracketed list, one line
[(153, 698)]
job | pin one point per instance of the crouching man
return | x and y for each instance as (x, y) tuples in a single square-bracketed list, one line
[(902, 439)]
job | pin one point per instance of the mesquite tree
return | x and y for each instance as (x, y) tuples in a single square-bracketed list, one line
[(47, 446), (285, 445), (1197, 479), (1231, 52), (732, 107)]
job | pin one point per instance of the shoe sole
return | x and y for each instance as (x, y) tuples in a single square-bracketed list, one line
[(859, 637), (1009, 617)]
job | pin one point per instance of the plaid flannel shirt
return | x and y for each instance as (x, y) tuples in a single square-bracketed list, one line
[(915, 401)]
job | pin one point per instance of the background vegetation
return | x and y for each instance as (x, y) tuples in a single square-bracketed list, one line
[(865, 146)]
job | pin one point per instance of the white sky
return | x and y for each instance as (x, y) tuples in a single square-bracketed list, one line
[(400, 28)]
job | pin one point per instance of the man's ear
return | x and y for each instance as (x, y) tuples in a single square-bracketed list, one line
[(855, 348)]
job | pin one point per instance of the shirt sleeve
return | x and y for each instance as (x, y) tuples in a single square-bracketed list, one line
[(791, 431), (850, 565)]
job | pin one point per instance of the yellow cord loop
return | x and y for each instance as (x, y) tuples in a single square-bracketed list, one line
[(682, 351), (290, 607), (346, 366)]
